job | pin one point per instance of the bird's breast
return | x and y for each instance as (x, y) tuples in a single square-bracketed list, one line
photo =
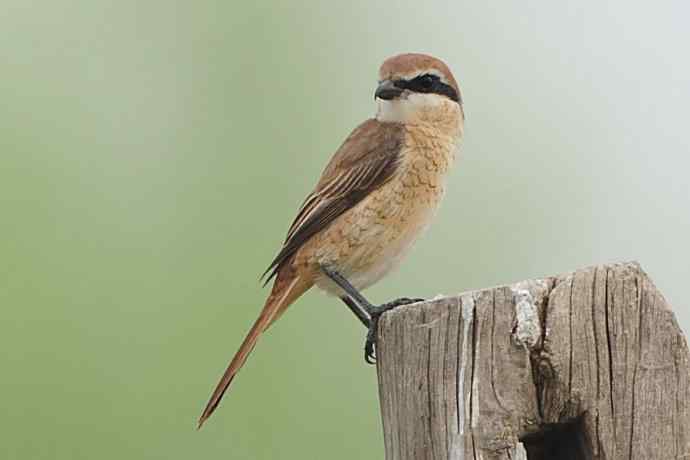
[(371, 239)]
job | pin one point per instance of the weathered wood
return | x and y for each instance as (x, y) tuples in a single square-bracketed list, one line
[(589, 365)]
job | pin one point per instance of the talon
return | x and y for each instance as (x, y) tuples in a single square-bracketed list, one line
[(369, 355), (399, 303), (369, 345), (372, 334)]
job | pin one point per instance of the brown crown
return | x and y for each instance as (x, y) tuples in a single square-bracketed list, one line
[(414, 63)]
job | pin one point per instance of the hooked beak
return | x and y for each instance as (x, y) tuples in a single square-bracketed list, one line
[(387, 90)]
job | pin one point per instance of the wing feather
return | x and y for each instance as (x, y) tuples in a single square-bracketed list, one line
[(367, 159)]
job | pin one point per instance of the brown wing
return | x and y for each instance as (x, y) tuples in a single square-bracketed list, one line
[(365, 161)]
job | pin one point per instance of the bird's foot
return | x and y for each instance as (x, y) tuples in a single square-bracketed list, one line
[(375, 313)]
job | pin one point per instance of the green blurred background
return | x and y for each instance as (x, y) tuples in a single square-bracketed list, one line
[(153, 154)]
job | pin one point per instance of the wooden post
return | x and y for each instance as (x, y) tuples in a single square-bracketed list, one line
[(588, 365)]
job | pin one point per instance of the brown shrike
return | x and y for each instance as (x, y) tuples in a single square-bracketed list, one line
[(375, 197)]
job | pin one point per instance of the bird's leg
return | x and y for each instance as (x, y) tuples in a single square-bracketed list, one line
[(359, 312), (349, 289), (375, 313), (365, 311)]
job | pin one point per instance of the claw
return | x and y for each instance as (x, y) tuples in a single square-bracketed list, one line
[(370, 344), (369, 350), (369, 354)]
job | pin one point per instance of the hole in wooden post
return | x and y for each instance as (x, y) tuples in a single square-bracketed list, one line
[(558, 442)]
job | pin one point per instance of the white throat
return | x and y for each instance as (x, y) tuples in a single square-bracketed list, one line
[(409, 108)]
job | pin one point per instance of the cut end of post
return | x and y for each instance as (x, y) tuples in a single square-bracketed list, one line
[(542, 363)]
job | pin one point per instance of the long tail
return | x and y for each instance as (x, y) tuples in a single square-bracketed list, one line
[(286, 290)]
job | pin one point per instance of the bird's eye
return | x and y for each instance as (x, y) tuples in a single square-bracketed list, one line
[(427, 81)]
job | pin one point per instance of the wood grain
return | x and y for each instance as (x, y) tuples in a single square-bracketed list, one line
[(588, 365)]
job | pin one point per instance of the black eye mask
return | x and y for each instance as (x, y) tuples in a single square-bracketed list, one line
[(429, 83)]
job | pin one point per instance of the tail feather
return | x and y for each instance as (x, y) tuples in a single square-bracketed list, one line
[(285, 291)]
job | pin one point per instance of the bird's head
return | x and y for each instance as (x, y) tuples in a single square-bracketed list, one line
[(417, 88)]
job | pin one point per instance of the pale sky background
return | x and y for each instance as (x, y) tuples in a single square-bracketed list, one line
[(153, 154)]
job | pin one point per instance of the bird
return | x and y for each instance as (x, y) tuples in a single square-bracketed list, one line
[(377, 194)]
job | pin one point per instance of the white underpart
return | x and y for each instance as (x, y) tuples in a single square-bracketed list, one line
[(386, 260), (406, 108)]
